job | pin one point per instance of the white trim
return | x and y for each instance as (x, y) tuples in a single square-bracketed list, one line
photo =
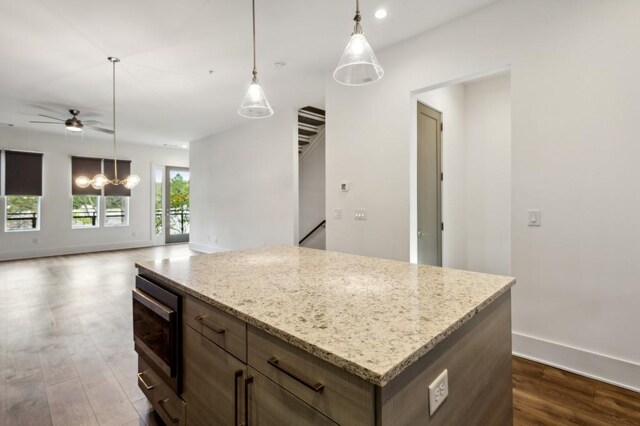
[(63, 251), (205, 248), (618, 372)]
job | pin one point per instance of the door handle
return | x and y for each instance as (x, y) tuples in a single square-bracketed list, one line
[(247, 409), (420, 234), (202, 319), (237, 375), (148, 387)]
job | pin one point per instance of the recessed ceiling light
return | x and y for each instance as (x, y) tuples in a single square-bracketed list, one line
[(279, 65), (381, 13)]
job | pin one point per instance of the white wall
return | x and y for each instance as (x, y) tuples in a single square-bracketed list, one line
[(487, 112), (312, 193), (55, 235), (244, 185), (574, 90)]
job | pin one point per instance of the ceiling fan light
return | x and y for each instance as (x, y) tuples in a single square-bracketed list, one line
[(131, 181), (358, 65), (255, 103), (83, 181), (73, 125)]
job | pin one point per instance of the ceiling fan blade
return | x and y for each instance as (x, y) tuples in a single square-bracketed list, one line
[(99, 129), (53, 118), (91, 122), (45, 122)]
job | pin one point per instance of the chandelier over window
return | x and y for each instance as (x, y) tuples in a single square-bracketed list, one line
[(99, 181)]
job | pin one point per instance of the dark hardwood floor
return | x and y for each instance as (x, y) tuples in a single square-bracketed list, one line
[(544, 395), (66, 354)]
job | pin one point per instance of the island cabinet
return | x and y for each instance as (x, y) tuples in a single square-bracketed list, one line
[(278, 385), (290, 336)]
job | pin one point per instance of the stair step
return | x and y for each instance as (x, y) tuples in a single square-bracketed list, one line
[(313, 110), (302, 142), (306, 132), (310, 121)]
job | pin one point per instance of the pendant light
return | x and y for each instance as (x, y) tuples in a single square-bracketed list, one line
[(255, 103), (358, 65), (99, 181)]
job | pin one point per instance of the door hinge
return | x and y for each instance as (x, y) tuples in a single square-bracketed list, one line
[(441, 176), (442, 226), (441, 126)]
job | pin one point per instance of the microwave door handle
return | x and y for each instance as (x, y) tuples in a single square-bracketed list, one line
[(158, 308)]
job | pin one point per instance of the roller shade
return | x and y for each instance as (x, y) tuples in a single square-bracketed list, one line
[(124, 170), (23, 173), (84, 166)]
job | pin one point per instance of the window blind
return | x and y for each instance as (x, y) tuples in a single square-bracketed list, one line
[(84, 166), (124, 170), (23, 173)]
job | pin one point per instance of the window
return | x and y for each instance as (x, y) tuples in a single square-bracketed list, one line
[(23, 190), (22, 213), (85, 212), (116, 211)]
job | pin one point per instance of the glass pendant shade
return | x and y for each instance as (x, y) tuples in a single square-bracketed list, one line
[(131, 181), (99, 181), (83, 181), (255, 103), (73, 128), (358, 65)]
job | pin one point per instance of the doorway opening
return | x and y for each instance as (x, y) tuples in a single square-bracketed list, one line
[(171, 205), (464, 175)]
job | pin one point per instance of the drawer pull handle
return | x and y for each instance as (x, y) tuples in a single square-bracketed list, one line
[(147, 387), (203, 320), (316, 387), (238, 374), (162, 405), (247, 406)]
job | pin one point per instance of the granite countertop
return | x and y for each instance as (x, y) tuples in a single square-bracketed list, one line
[(372, 317)]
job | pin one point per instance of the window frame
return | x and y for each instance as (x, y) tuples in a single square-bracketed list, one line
[(127, 212), (98, 213), (38, 227)]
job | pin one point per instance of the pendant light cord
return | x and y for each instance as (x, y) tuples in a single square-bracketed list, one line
[(115, 160), (357, 29), (253, 12)]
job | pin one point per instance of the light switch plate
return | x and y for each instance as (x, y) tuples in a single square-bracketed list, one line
[(438, 391), (534, 217), (360, 214)]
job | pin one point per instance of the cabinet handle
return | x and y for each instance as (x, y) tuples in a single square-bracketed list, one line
[(203, 320), (247, 408), (171, 419), (238, 374), (147, 387), (316, 387)]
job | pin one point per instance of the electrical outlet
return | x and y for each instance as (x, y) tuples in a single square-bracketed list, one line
[(35, 241), (438, 391), (534, 217), (337, 213)]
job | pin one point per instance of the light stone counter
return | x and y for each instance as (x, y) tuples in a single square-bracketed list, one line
[(369, 316)]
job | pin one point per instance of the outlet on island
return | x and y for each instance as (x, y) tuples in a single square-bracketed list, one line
[(438, 391)]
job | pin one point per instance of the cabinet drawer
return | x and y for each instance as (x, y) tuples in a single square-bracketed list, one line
[(343, 397), (224, 330), (270, 405), (213, 380), (170, 408)]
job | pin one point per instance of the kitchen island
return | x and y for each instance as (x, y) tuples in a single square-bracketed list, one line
[(288, 335)]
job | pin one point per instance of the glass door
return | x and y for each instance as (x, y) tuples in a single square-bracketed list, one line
[(176, 223)]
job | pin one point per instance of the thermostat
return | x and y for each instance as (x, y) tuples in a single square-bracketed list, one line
[(344, 187)]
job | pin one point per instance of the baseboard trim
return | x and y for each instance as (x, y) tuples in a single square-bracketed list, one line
[(64, 251), (205, 248), (618, 372)]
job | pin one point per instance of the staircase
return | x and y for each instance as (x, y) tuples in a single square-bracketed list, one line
[(310, 119)]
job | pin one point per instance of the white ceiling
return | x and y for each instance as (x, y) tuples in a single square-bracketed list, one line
[(54, 54)]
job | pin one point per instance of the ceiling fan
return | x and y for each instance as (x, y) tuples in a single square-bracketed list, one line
[(73, 124)]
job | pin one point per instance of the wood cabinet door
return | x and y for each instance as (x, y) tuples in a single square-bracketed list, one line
[(213, 382), (267, 404)]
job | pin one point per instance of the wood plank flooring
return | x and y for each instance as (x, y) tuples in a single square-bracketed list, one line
[(66, 352), (544, 395), (66, 343)]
